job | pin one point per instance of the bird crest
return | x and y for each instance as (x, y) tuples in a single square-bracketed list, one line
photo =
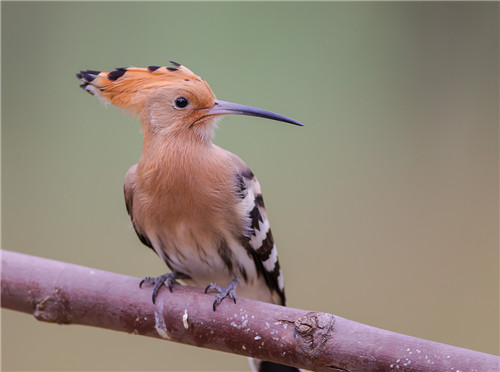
[(127, 87)]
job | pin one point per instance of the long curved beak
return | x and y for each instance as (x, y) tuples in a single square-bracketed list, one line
[(228, 108)]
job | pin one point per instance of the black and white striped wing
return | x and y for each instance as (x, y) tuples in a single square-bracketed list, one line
[(258, 240)]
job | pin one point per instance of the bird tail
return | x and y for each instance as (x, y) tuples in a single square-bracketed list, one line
[(264, 366)]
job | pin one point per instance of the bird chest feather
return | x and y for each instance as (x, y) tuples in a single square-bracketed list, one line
[(187, 183)]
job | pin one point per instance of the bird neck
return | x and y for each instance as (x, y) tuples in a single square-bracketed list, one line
[(173, 149), (158, 127)]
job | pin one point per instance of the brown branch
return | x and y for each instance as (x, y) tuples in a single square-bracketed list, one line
[(70, 294)]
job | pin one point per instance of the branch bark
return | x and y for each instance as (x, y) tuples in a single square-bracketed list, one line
[(64, 293)]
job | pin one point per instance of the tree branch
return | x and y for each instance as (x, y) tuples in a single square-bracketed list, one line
[(64, 293)]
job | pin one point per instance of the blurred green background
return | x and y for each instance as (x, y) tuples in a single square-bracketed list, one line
[(384, 206)]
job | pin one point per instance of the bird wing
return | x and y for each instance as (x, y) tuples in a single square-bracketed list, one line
[(128, 189), (258, 240)]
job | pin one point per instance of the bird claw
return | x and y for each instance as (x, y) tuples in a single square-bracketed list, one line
[(158, 282), (223, 292)]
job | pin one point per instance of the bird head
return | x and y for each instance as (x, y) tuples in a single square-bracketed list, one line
[(168, 100)]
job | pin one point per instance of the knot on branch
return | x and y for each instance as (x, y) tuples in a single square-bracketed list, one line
[(53, 308), (313, 330)]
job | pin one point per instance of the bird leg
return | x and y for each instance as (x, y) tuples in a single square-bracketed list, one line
[(223, 292), (159, 281)]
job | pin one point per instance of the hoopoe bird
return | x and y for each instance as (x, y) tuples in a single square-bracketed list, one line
[(198, 206)]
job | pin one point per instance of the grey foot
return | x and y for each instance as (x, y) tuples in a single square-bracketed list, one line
[(223, 292), (158, 282)]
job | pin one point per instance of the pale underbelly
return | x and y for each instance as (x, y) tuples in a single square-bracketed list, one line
[(211, 260)]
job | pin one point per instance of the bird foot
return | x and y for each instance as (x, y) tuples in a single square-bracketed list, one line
[(223, 292), (158, 282)]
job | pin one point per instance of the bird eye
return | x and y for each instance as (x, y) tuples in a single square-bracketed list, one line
[(181, 102)]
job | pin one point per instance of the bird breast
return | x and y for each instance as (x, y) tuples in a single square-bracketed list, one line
[(186, 186)]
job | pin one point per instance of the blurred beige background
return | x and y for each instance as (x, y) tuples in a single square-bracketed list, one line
[(384, 206)]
